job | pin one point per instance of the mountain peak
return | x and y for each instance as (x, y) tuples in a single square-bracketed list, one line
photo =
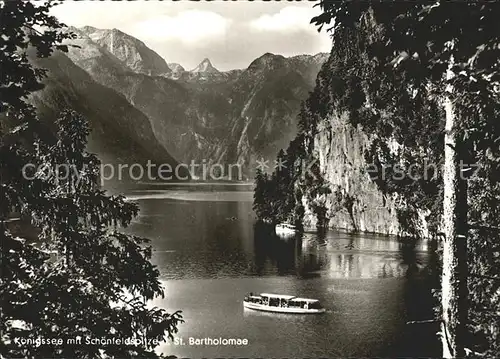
[(87, 29), (205, 67), (128, 49), (119, 32), (268, 60), (177, 70)]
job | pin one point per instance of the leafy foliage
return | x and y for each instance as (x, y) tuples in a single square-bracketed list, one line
[(19, 24), (390, 75), (79, 276)]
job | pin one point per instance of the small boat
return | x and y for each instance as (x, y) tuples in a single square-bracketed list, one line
[(285, 229), (279, 303)]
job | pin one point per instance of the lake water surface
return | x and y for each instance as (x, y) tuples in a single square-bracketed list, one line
[(210, 254)]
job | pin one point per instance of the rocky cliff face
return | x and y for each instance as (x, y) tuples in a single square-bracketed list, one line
[(342, 193), (339, 149)]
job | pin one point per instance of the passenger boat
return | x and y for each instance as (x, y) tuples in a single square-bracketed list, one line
[(285, 229), (279, 303)]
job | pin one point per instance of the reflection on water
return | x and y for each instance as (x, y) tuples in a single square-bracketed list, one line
[(210, 239), (337, 255), (211, 253), (187, 195)]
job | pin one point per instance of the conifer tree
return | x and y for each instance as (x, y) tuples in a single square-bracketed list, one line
[(80, 278), (261, 195)]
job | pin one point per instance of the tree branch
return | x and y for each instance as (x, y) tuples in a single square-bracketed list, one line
[(481, 226), (435, 320), (484, 276)]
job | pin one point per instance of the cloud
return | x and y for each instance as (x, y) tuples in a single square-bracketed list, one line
[(231, 33), (288, 19), (189, 27), (103, 14)]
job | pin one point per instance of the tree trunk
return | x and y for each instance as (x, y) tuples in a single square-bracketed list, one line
[(454, 273)]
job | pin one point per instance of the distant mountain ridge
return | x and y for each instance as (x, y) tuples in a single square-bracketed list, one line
[(227, 117)]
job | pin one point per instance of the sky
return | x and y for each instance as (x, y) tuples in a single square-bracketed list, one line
[(230, 33)]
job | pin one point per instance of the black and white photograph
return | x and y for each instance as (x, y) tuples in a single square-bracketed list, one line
[(249, 179)]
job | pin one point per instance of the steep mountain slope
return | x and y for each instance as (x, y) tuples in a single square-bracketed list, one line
[(120, 132), (267, 98), (131, 51), (225, 117), (163, 100)]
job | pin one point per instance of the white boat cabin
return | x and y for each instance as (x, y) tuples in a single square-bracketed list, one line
[(285, 229), (282, 303)]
